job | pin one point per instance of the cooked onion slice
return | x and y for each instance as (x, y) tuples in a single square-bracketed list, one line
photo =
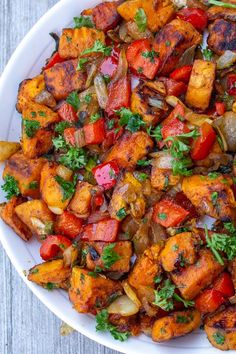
[(123, 306), (131, 294)]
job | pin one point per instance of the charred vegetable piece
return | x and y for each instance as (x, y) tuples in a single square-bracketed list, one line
[(217, 40), (168, 213), (53, 246), (175, 325), (118, 94), (68, 224), (55, 59), (88, 294), (67, 113), (220, 329), (28, 90), (197, 17), (203, 144), (105, 230), (105, 15), (182, 74)]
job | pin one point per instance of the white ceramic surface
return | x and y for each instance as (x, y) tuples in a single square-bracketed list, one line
[(26, 62)]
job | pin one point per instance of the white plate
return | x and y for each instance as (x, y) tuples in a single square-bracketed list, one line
[(26, 62)]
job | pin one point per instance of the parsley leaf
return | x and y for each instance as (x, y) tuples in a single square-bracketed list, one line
[(98, 47), (152, 54), (109, 256), (73, 100), (121, 213), (207, 53), (30, 127), (60, 127), (222, 4), (83, 21), (141, 20), (33, 185), (95, 117), (10, 187), (75, 158), (144, 162), (164, 296), (141, 176), (155, 133), (133, 121), (59, 143), (104, 325), (187, 303), (81, 63), (88, 98), (68, 187), (219, 338)]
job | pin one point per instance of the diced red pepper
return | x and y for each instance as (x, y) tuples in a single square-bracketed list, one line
[(67, 113), (94, 133), (119, 93), (231, 84), (98, 200), (53, 60), (105, 230), (106, 174), (168, 213), (53, 246), (182, 74), (139, 61), (224, 284), (202, 145), (173, 88), (69, 135), (220, 108), (111, 137), (68, 224), (184, 202), (197, 17), (209, 300), (177, 112), (110, 64)]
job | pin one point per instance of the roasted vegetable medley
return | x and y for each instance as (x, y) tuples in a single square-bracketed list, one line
[(126, 168)]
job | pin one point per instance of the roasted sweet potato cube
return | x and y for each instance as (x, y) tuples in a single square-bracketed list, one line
[(215, 12), (39, 144), (148, 264), (37, 112), (158, 13), (130, 148), (95, 252), (175, 325), (192, 279), (27, 173), (105, 15), (36, 215), (201, 83), (74, 41), (179, 251), (222, 36), (162, 178), (8, 215), (221, 329), (63, 78), (51, 191), (81, 202), (28, 90), (51, 274), (89, 294), (171, 42), (232, 269), (201, 191)]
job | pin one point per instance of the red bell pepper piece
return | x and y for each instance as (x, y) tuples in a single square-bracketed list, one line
[(98, 200), (69, 135), (53, 246), (94, 133), (68, 224), (111, 137), (224, 284), (53, 60), (197, 17), (184, 202), (220, 108), (231, 84), (67, 113), (209, 300), (119, 93), (106, 174), (105, 230), (182, 74), (142, 60), (168, 213), (110, 64), (203, 144), (173, 88)]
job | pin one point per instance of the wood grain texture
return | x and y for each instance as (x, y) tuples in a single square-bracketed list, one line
[(26, 325)]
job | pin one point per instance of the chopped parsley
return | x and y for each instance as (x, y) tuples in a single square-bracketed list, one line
[(167, 43), (88, 98), (73, 100), (207, 53), (30, 127), (83, 21), (151, 55), (33, 185), (60, 127), (141, 20), (155, 133), (183, 319), (42, 114), (213, 175), (218, 338), (162, 216), (50, 286), (109, 256), (141, 176), (10, 187), (157, 279), (121, 214), (81, 63), (214, 197), (104, 325), (132, 121), (111, 123), (68, 187), (144, 162), (98, 47), (222, 4), (95, 117)]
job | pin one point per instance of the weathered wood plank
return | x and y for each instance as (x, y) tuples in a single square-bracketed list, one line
[(26, 326)]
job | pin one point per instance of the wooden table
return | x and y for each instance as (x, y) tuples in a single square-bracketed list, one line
[(26, 325)]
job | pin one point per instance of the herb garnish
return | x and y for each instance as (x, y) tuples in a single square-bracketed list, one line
[(30, 127), (60, 127), (132, 121), (83, 21), (152, 54), (109, 256), (104, 325), (141, 20), (98, 47), (73, 100), (121, 213), (68, 187), (10, 187)]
